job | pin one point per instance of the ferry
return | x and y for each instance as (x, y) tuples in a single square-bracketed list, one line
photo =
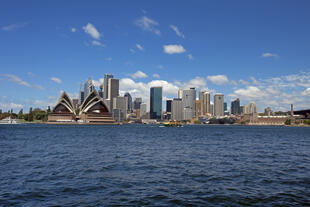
[(8, 120)]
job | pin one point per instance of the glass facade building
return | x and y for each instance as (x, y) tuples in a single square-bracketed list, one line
[(156, 97)]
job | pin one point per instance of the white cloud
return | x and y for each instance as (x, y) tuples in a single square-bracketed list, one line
[(177, 31), (243, 82), (73, 29), (306, 92), (92, 31), (267, 54), (254, 81), (218, 79), (139, 47), (132, 51), (148, 24), (138, 74), (197, 82), (56, 80), (17, 80), (156, 76), (249, 93), (11, 105), (190, 57), (173, 49), (12, 27), (109, 59), (97, 43)]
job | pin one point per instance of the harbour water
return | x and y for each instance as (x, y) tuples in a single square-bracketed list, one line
[(146, 165)]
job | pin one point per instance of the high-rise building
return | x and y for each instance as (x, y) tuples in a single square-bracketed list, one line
[(113, 90), (180, 93), (101, 92), (235, 107), (137, 103), (168, 106), (268, 111), (121, 104), (75, 102), (142, 109), (129, 102), (156, 97), (81, 97), (198, 108), (204, 97), (252, 108), (0, 111), (188, 98), (177, 109), (88, 87), (212, 109), (218, 105), (107, 76), (225, 106)]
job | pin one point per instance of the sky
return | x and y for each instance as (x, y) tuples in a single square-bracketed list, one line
[(252, 50)]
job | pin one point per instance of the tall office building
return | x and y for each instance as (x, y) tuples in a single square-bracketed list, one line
[(177, 109), (180, 93), (156, 97), (218, 105), (81, 97), (212, 109), (142, 110), (121, 104), (225, 106), (198, 108), (88, 87), (100, 92), (168, 106), (235, 107), (129, 102), (204, 97), (188, 98), (137, 103), (113, 90), (107, 76)]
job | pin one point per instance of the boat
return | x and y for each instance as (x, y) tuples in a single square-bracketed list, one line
[(8, 120), (172, 124)]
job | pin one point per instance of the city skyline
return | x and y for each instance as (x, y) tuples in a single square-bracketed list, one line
[(147, 46)]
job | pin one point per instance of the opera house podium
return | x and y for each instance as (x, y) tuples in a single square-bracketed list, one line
[(92, 111)]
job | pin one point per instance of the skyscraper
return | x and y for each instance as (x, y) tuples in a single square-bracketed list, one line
[(142, 109), (107, 76), (168, 106), (218, 105), (88, 87), (188, 98), (177, 109), (129, 102), (100, 92), (235, 107), (198, 108), (113, 90), (121, 104), (204, 97), (137, 103), (156, 97)]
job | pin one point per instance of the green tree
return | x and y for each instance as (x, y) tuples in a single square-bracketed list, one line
[(287, 122), (20, 114)]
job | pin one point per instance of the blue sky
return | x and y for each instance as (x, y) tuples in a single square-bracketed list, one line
[(255, 50)]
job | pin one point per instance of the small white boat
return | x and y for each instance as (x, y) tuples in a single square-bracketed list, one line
[(8, 120)]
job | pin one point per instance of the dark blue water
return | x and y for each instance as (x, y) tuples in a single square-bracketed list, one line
[(138, 165)]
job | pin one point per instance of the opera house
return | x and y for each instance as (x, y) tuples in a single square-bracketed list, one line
[(92, 111)]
